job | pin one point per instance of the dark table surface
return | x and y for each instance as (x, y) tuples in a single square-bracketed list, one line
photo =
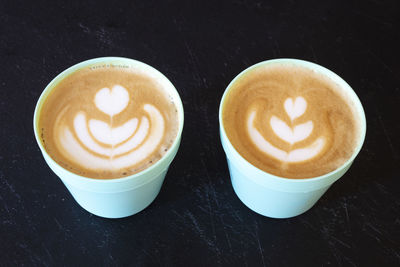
[(197, 220)]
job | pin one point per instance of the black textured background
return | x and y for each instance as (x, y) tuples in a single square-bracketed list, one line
[(197, 220)]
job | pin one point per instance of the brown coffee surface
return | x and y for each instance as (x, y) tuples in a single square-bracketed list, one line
[(108, 122), (290, 121)]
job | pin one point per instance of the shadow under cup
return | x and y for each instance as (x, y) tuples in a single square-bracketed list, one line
[(279, 197), (120, 197)]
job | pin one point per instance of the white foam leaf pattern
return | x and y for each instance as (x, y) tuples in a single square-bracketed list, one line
[(297, 155), (295, 109), (136, 140), (136, 148), (81, 130), (153, 138), (112, 101), (286, 133), (306, 153), (103, 132)]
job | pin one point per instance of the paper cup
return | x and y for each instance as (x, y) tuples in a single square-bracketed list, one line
[(121, 197), (279, 197)]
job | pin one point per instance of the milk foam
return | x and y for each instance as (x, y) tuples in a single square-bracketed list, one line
[(99, 145), (289, 134), (103, 132), (290, 121), (286, 133), (112, 101)]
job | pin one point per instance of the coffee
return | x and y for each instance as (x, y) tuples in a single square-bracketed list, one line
[(290, 121), (108, 121)]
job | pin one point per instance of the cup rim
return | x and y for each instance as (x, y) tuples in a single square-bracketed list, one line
[(108, 60), (330, 74)]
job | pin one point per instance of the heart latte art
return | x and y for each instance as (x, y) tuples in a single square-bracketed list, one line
[(290, 121), (110, 131), (127, 144), (282, 130)]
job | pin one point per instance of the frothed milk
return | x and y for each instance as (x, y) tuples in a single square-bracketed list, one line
[(290, 121), (108, 121)]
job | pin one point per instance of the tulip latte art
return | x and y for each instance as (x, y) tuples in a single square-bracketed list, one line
[(290, 121), (108, 122)]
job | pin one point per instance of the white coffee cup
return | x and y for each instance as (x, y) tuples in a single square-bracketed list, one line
[(121, 197), (279, 197)]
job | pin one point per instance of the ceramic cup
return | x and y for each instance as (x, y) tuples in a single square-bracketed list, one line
[(121, 197), (279, 197)]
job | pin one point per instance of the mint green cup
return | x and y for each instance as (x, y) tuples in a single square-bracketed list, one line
[(121, 197), (279, 197)]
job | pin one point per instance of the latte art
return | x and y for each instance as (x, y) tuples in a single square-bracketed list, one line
[(289, 121), (130, 143), (288, 134), (103, 129)]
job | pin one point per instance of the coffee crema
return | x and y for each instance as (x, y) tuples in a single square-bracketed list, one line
[(290, 121), (108, 122)]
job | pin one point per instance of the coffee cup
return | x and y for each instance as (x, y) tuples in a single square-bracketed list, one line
[(278, 196), (120, 196)]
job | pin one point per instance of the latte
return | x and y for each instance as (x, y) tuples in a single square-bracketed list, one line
[(290, 121), (108, 121)]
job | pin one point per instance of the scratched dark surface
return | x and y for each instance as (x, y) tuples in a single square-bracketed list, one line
[(197, 220)]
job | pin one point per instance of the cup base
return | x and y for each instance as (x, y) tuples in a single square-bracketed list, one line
[(272, 203), (119, 204)]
